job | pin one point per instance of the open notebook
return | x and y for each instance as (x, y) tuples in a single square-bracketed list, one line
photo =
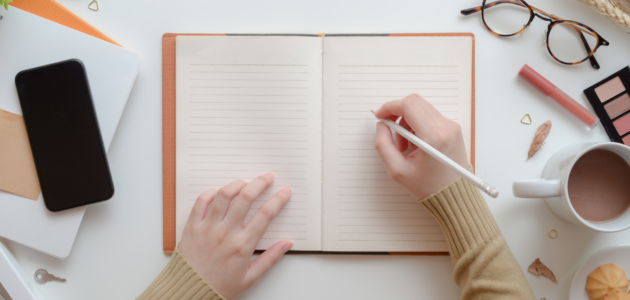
[(236, 107)]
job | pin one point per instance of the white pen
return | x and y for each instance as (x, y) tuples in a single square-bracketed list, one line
[(441, 158)]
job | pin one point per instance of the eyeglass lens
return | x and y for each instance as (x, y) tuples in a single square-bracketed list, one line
[(506, 18), (567, 42)]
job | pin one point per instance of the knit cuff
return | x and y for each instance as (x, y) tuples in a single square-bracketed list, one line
[(179, 280), (463, 215)]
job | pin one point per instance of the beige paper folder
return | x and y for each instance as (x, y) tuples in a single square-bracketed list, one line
[(17, 168)]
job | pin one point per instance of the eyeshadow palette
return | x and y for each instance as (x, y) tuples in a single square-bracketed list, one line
[(610, 99)]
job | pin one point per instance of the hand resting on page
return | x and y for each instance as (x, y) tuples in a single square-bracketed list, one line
[(218, 245), (418, 172)]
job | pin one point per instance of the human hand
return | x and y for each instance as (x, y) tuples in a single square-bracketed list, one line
[(218, 245), (418, 172)]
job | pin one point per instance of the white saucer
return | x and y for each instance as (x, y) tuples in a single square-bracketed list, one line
[(618, 255)]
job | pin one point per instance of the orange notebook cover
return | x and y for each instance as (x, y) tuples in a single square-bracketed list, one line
[(53, 11), (169, 135)]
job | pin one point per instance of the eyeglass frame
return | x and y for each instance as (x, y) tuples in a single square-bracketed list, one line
[(553, 19)]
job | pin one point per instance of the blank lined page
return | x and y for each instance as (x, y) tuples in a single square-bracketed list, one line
[(364, 210), (247, 106)]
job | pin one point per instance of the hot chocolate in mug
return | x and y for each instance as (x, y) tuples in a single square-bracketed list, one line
[(585, 184)]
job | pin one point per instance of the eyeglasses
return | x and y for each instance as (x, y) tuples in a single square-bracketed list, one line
[(568, 42)]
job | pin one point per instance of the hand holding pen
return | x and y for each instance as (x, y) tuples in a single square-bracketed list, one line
[(443, 160)]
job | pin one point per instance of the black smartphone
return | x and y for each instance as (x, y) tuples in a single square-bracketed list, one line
[(65, 138)]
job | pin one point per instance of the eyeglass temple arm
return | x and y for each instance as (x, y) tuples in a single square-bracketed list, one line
[(581, 31), (477, 9), (591, 58)]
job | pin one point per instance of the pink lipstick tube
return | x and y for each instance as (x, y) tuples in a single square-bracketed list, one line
[(550, 90)]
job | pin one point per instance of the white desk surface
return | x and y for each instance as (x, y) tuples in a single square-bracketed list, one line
[(118, 248)]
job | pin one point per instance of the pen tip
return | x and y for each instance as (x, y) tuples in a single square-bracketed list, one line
[(493, 193), (373, 112)]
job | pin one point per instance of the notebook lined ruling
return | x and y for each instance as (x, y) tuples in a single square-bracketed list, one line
[(237, 106)]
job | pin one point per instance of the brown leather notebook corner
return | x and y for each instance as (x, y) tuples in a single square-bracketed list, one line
[(169, 132)]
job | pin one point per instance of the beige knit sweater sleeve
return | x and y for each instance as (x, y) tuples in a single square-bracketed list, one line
[(179, 280), (484, 265)]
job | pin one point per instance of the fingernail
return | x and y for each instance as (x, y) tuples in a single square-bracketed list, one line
[(270, 175), (287, 246), (286, 190)]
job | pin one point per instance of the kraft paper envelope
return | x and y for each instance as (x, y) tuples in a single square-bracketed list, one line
[(17, 168)]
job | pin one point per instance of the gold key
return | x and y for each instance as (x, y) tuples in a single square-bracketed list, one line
[(42, 276)]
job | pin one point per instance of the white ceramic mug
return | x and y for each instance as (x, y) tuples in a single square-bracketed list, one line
[(554, 185)]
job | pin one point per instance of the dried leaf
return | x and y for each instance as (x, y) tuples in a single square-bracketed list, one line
[(539, 139), (538, 268)]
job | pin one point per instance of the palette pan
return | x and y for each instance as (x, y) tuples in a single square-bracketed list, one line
[(610, 99)]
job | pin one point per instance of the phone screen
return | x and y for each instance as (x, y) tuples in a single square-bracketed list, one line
[(64, 135)]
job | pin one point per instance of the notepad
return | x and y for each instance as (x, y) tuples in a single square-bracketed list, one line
[(299, 106)]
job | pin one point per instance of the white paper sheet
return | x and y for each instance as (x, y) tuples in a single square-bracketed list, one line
[(364, 210), (247, 106)]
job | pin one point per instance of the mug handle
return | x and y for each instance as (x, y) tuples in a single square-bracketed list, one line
[(536, 188)]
